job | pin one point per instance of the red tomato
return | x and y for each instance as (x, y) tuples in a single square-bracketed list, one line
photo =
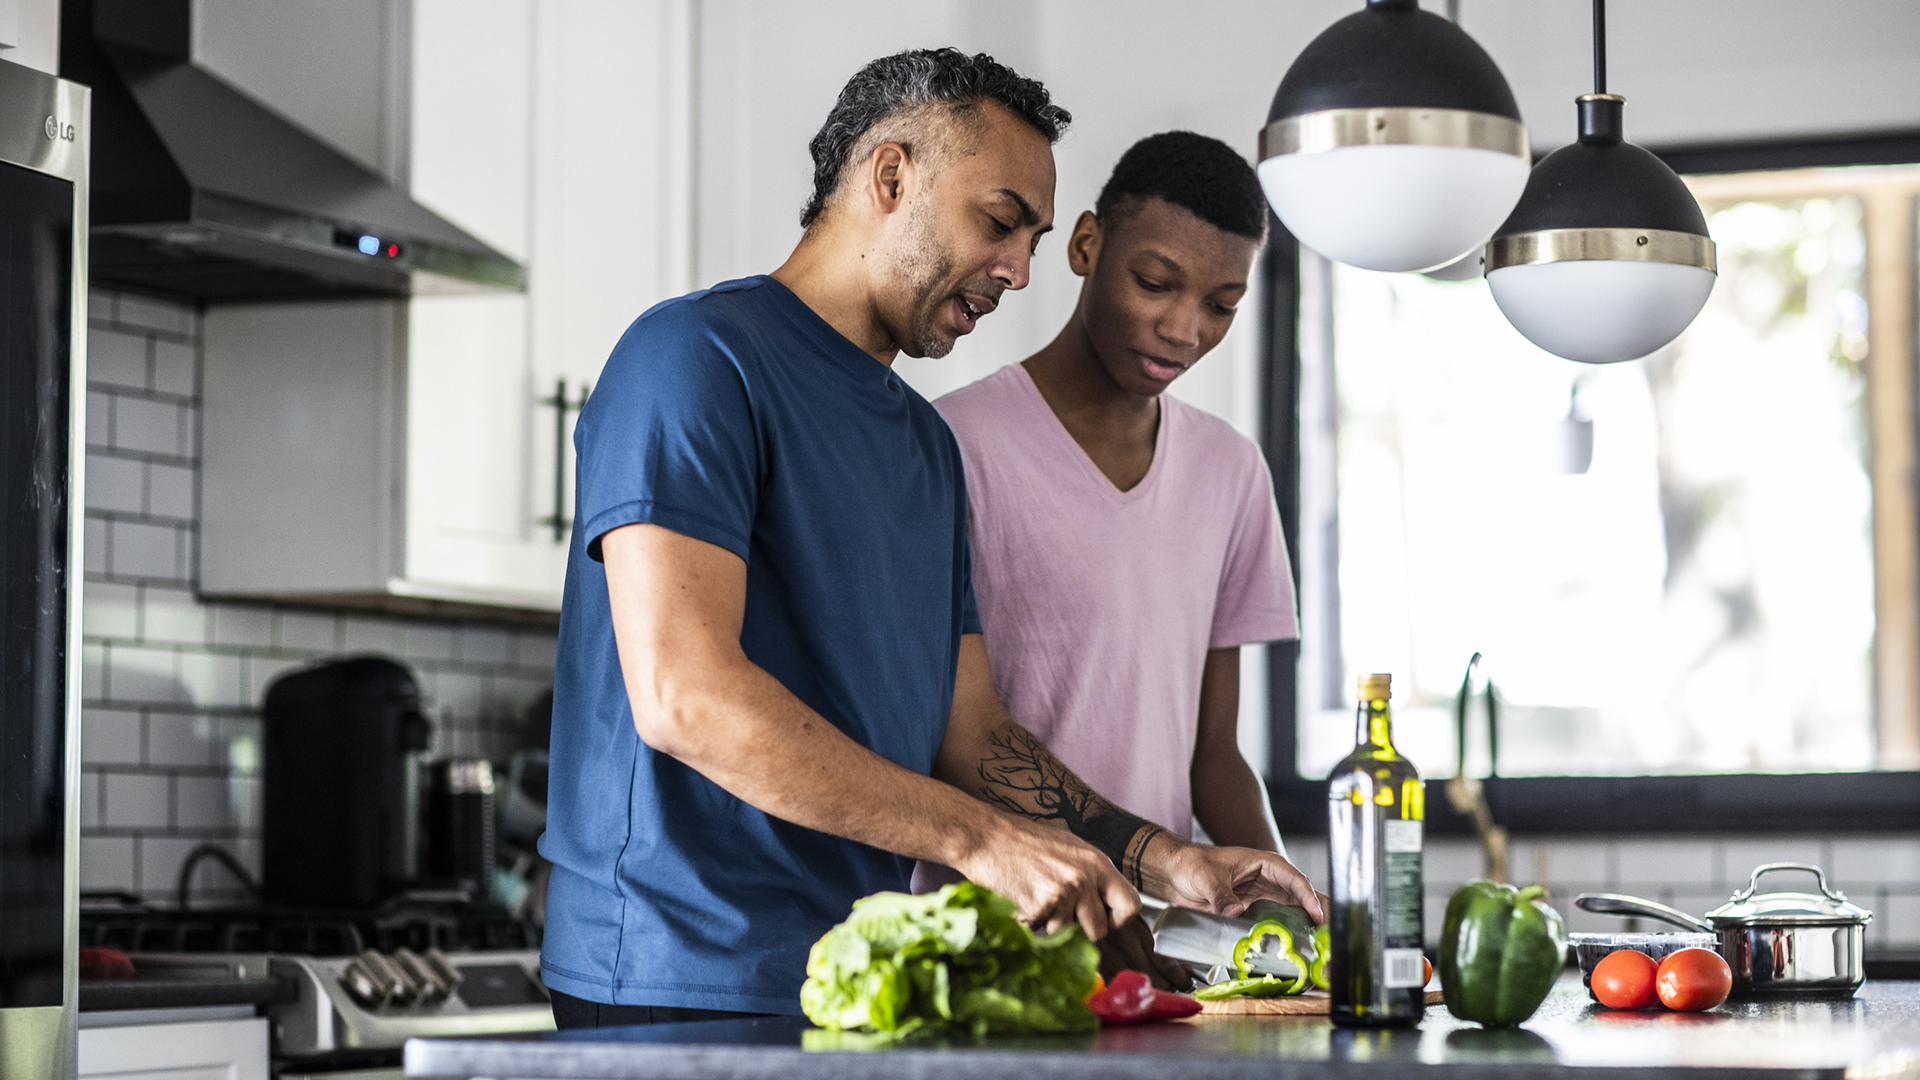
[(1693, 979), (1426, 972), (1624, 979)]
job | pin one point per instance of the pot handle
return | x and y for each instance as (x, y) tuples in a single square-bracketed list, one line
[(1753, 883), (1617, 904)]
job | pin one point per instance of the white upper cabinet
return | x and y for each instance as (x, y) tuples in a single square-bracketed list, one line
[(559, 133)]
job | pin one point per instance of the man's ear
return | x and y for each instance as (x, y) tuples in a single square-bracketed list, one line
[(890, 175), (1083, 245)]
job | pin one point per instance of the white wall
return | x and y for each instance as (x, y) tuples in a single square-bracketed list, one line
[(35, 29), (1692, 70)]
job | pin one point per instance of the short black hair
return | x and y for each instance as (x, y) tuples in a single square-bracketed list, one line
[(907, 82), (1196, 172)]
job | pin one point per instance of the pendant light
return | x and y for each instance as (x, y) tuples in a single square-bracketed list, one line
[(1607, 256), (1394, 142)]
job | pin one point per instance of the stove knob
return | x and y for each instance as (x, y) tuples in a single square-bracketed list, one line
[(437, 961), (427, 987), (363, 985)]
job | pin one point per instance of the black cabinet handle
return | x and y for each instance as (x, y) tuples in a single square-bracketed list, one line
[(561, 405)]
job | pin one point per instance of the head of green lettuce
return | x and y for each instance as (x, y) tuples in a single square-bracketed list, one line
[(954, 960)]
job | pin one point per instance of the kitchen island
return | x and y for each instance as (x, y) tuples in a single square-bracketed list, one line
[(1872, 1036)]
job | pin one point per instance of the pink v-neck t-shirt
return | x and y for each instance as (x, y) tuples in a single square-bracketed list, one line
[(1100, 605)]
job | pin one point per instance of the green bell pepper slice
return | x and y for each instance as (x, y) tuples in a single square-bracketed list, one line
[(1322, 949), (1500, 952), (1263, 986), (1270, 928)]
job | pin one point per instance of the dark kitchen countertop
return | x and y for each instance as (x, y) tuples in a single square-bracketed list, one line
[(1877, 1033)]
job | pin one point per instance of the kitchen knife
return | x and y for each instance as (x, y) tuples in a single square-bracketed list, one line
[(1205, 941)]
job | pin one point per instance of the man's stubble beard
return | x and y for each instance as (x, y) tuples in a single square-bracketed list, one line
[(922, 267)]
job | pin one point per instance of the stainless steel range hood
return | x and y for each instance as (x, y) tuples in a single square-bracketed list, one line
[(202, 193)]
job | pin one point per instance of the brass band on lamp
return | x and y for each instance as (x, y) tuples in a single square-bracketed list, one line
[(1617, 245), (1332, 129)]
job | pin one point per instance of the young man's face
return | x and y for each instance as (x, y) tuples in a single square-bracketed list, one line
[(1161, 290), (968, 236)]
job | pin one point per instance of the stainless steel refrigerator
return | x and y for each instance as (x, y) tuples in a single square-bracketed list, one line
[(43, 334)]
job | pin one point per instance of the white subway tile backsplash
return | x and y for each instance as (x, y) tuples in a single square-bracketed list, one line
[(172, 616), (142, 550), (360, 634), (484, 645), (106, 863), (213, 679), (109, 610), (99, 419), (110, 737), (1310, 858), (117, 358), (1589, 861), (261, 673), (116, 485), (93, 671), (150, 427), (428, 641), (202, 802), (170, 491), (173, 367), (1856, 863), (141, 312), (1740, 856), (89, 800), (1452, 861), (1661, 862), (241, 626), (93, 543), (308, 630), (536, 650), (140, 674), (1901, 916), (182, 739), (137, 801)]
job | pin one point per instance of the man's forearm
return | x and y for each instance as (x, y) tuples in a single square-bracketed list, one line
[(750, 735), (1230, 802), (1018, 774)]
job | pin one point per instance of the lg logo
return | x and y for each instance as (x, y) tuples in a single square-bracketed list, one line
[(57, 130)]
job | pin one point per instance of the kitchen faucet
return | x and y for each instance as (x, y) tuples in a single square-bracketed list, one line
[(1466, 793)]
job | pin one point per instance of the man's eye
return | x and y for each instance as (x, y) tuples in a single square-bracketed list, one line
[(1223, 309), (1150, 286), (1000, 228)]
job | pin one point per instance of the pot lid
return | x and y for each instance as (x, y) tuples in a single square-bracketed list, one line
[(1749, 907)]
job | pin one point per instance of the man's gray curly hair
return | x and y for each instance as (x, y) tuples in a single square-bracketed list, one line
[(904, 86)]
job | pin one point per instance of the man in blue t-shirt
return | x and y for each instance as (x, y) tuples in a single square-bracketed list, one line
[(771, 695)]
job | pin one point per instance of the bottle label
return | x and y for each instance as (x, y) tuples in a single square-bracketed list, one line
[(1404, 969), (1403, 889)]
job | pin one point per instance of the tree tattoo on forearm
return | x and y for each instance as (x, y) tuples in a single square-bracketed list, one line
[(1021, 776)]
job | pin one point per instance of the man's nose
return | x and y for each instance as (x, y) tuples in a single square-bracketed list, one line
[(1016, 270)]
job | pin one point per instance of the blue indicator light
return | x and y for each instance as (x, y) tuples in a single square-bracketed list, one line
[(369, 245)]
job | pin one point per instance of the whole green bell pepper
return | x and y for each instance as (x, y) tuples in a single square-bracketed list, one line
[(1500, 952)]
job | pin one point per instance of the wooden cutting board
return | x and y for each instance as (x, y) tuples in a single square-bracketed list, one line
[(1311, 1003)]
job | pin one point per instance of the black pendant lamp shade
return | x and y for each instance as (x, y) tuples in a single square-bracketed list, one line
[(1394, 142), (1607, 256)]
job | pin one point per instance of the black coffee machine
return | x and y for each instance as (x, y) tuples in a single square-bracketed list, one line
[(341, 745)]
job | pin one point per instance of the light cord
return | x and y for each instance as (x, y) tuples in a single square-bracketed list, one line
[(1599, 46)]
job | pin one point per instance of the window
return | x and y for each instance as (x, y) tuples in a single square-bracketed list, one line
[(1695, 564)]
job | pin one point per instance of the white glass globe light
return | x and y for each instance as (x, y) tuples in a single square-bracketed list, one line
[(1601, 311), (1394, 207)]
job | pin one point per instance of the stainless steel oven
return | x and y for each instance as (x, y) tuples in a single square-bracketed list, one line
[(43, 334)]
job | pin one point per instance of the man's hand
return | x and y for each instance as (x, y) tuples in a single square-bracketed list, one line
[(1223, 880), (1053, 878), (1130, 948)]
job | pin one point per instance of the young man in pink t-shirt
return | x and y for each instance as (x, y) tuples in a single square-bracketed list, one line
[(1125, 545)]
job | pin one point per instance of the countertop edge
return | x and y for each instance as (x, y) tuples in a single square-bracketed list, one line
[(532, 1060)]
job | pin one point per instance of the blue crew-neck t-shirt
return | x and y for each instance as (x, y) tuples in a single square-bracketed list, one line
[(737, 416)]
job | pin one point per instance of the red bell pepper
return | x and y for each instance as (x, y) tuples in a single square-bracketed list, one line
[(1131, 999)]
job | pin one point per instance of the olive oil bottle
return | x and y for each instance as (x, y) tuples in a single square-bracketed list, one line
[(1375, 808)]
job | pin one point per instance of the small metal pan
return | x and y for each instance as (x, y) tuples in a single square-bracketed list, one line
[(1776, 943)]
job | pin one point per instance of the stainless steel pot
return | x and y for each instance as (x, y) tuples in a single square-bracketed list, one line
[(1776, 943)]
